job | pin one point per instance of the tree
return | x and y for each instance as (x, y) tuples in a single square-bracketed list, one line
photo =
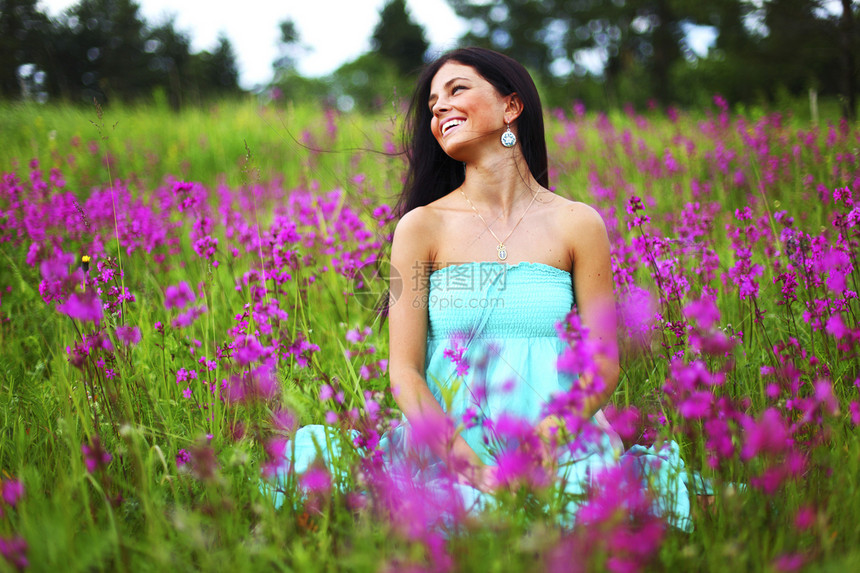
[(553, 37), (215, 73), (532, 30), (799, 46), (170, 52), (23, 29), (763, 49), (289, 50), (224, 72), (97, 49), (399, 39), (849, 45)]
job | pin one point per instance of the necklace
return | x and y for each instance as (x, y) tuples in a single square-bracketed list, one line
[(503, 252)]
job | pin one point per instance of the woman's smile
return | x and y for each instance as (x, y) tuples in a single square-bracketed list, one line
[(450, 124)]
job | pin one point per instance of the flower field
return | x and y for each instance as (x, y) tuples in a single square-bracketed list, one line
[(180, 293)]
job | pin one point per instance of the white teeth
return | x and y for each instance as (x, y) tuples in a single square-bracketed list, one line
[(449, 124)]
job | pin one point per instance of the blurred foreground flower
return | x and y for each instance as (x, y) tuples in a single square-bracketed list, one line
[(14, 550), (95, 456), (83, 306)]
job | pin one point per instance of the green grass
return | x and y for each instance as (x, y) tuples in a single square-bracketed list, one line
[(144, 512)]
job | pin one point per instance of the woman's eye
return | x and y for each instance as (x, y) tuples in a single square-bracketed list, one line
[(455, 89)]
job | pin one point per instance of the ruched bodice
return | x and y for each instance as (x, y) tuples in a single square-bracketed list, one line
[(508, 301)]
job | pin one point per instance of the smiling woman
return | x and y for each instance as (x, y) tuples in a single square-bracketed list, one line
[(503, 342)]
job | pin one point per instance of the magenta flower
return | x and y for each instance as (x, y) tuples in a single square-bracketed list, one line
[(789, 562), (836, 327), (177, 296), (128, 335), (326, 392), (704, 312), (456, 355), (769, 435), (82, 306), (13, 490), (14, 550), (855, 412), (283, 420), (95, 456), (804, 518), (636, 314), (315, 480), (187, 318)]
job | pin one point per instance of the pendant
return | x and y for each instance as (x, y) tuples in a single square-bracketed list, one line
[(503, 252)]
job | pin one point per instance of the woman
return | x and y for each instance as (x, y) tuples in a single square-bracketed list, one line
[(476, 193), (491, 262)]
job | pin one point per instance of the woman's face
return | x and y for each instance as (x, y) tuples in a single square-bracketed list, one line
[(467, 111)]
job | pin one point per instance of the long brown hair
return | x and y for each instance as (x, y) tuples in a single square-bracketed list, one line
[(431, 172)]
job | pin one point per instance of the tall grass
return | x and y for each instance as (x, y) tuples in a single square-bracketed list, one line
[(143, 396)]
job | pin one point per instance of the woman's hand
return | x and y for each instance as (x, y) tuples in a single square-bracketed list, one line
[(549, 431), (481, 477)]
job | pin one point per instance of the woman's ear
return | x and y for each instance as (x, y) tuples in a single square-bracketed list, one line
[(513, 107)]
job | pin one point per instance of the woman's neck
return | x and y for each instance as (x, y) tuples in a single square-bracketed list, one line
[(499, 184)]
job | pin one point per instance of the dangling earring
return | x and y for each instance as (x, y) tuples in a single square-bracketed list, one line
[(508, 137)]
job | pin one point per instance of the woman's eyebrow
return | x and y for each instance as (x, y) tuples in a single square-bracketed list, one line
[(433, 97)]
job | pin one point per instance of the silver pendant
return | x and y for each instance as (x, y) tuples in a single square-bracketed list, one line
[(508, 138), (503, 252)]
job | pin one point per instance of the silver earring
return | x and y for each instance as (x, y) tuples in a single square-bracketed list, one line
[(508, 137)]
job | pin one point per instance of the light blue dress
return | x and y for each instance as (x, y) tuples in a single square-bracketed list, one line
[(492, 349)]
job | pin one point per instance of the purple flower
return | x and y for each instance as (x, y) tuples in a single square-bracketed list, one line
[(836, 327), (85, 306), (704, 312), (804, 518), (456, 356), (14, 550), (768, 435), (183, 456), (177, 296), (186, 319), (129, 335), (283, 420), (824, 396), (315, 480), (326, 392), (95, 456), (789, 562), (13, 489)]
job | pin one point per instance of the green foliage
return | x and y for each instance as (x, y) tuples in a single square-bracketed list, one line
[(399, 39), (22, 31), (760, 47), (372, 82), (104, 49)]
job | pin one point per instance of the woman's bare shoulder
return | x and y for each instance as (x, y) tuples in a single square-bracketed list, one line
[(580, 226), (426, 221), (576, 215), (413, 240), (418, 221)]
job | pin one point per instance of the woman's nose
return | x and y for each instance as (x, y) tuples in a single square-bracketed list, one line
[(441, 106)]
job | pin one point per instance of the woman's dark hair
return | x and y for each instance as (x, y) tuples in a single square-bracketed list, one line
[(432, 173)]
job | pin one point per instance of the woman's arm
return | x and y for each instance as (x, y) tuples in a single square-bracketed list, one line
[(584, 232), (594, 293), (411, 260)]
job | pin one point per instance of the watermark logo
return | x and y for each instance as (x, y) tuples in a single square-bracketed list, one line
[(374, 283)]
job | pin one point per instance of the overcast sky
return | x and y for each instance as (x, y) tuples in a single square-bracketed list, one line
[(335, 31)]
